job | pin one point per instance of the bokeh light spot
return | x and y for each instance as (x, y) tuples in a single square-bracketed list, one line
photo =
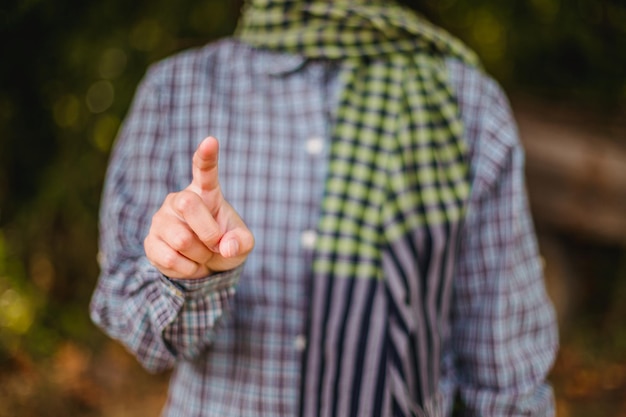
[(16, 313), (100, 96)]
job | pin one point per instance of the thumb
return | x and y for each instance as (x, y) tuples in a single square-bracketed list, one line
[(205, 166), (236, 243)]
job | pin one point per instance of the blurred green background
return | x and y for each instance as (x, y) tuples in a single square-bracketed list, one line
[(69, 70)]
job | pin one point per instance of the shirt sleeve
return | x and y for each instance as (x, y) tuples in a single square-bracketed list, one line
[(504, 334), (159, 320)]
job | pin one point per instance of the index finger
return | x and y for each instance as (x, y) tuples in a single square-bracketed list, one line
[(205, 165)]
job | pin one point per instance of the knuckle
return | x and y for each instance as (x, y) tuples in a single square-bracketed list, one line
[(185, 201), (169, 260), (169, 200), (182, 241)]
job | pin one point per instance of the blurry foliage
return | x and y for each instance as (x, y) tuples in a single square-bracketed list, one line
[(69, 71), (563, 49)]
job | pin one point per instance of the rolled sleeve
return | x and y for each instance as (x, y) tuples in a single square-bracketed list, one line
[(203, 304), (159, 320), (504, 328)]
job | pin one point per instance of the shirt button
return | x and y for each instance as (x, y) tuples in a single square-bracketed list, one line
[(308, 238), (299, 343), (315, 145)]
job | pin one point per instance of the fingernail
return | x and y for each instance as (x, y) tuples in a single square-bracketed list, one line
[(232, 248)]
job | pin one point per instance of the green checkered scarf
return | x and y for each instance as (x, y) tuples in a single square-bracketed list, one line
[(397, 159)]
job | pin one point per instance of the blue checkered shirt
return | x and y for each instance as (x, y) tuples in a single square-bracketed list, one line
[(236, 339)]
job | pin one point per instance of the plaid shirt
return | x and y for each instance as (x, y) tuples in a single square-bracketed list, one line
[(236, 339)]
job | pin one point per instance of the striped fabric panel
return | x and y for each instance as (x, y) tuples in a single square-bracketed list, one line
[(342, 362), (375, 344)]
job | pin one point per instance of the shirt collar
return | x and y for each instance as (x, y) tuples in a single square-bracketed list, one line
[(278, 63)]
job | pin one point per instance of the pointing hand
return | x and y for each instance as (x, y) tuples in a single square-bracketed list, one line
[(196, 232)]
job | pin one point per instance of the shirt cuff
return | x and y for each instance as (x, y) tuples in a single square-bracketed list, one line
[(201, 287)]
